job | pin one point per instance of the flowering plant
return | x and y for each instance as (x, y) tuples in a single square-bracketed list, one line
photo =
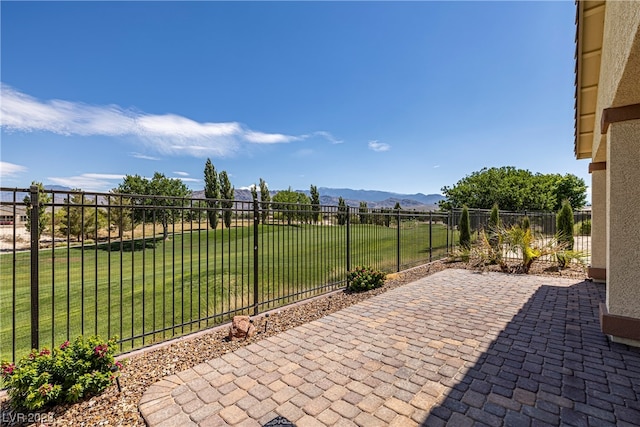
[(364, 279), (65, 374)]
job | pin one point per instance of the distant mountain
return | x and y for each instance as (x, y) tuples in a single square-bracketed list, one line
[(328, 196), (379, 196), (374, 199)]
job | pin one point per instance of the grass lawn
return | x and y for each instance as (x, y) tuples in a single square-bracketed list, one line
[(147, 290)]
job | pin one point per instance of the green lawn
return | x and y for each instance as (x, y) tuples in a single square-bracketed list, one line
[(152, 290)]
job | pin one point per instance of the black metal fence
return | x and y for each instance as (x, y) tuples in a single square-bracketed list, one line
[(150, 268)]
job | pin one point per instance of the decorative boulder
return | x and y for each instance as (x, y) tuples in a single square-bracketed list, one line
[(241, 327)]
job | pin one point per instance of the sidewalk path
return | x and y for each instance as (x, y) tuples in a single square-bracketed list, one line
[(457, 348)]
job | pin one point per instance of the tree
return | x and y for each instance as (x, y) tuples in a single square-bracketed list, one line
[(564, 224), (212, 193), (265, 199), (514, 190), (362, 212), (571, 188), (286, 201), (315, 204), (159, 199), (78, 219), (120, 214), (43, 217), (226, 193), (465, 229), (343, 211), (494, 218)]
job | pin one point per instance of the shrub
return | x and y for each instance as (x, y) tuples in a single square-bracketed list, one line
[(564, 225), (525, 224), (68, 373), (364, 279), (465, 229), (494, 217), (583, 228)]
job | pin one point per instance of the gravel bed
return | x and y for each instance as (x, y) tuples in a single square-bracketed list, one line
[(144, 368)]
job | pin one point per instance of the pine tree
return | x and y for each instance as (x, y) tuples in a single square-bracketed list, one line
[(212, 193), (494, 218), (265, 199), (315, 204), (465, 229), (564, 224), (226, 193)]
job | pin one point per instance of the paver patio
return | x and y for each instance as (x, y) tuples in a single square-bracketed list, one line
[(457, 348)]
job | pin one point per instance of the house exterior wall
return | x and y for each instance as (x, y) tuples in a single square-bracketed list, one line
[(619, 69), (599, 222), (623, 217)]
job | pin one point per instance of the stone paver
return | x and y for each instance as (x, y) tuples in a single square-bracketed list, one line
[(454, 348)]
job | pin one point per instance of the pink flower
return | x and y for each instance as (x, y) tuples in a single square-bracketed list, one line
[(7, 369), (100, 350), (45, 352), (64, 345), (119, 366)]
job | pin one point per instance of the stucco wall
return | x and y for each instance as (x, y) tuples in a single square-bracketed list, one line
[(599, 219), (620, 66), (623, 219)]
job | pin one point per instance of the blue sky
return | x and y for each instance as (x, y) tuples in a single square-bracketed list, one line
[(404, 97)]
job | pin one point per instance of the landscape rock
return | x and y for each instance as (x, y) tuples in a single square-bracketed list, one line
[(241, 327)]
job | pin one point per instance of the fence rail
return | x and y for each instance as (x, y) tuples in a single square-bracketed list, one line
[(150, 268)]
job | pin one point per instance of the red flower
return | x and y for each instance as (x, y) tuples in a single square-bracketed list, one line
[(64, 345), (100, 350), (7, 369), (45, 352)]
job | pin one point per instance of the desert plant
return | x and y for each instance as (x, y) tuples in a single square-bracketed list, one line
[(566, 257), (485, 252), (66, 374), (364, 279), (465, 229), (564, 225)]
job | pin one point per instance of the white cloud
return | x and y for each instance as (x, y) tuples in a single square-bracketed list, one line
[(188, 179), (164, 134), (270, 138), (181, 173), (10, 169), (89, 181), (379, 146), (143, 156), (328, 136), (436, 166)]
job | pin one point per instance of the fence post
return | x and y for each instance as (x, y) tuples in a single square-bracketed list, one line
[(256, 222), (35, 248), (348, 223), (430, 237), (398, 239)]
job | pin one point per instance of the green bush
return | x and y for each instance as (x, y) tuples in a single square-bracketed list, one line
[(564, 225), (583, 228), (364, 279), (68, 373), (525, 224), (494, 217), (465, 229)]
